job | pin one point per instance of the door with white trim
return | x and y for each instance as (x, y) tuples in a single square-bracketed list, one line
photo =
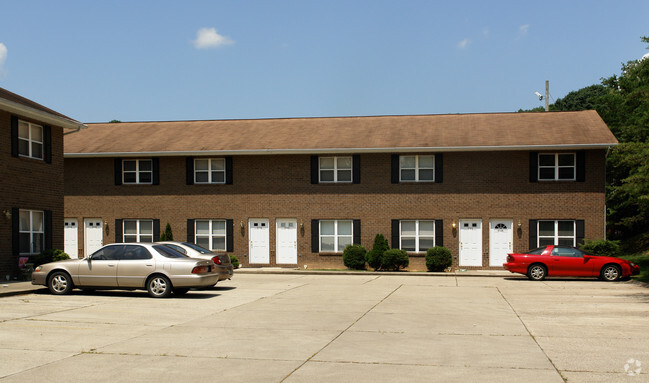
[(259, 248), (286, 241), (470, 242), (71, 237), (500, 240), (93, 235)]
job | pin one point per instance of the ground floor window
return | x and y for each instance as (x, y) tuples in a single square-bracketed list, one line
[(416, 235), (335, 235), (138, 230), (32, 231), (211, 234), (556, 232)]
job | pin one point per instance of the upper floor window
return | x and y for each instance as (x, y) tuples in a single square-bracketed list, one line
[(417, 168), (211, 234), (557, 167), (137, 171), (209, 170), (138, 230), (335, 235), (30, 140), (416, 235), (335, 169), (32, 231)]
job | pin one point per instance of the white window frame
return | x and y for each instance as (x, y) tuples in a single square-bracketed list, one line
[(557, 167), (417, 168), (209, 171), (556, 237), (336, 236), (336, 168), (138, 236), (137, 172), (30, 140), (417, 235), (33, 231), (210, 235)]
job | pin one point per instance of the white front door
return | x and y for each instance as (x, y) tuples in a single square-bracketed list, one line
[(71, 237), (93, 235), (259, 247), (500, 241), (470, 242), (286, 246)]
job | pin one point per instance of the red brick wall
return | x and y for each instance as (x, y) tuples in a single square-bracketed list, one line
[(481, 185), (28, 184)]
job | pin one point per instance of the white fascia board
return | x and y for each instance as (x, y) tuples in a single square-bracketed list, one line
[(40, 115), (257, 152)]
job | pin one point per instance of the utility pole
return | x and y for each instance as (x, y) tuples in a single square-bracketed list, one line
[(547, 95)]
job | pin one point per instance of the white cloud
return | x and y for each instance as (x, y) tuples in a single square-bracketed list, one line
[(3, 58), (522, 30), (463, 44), (485, 32), (207, 38)]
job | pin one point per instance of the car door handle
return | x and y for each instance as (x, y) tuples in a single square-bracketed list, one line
[(111, 265)]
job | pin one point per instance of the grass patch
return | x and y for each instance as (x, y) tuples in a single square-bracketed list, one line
[(641, 260)]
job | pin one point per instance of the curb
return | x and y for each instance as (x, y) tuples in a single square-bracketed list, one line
[(262, 270)]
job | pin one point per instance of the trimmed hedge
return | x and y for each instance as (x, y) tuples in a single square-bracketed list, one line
[(601, 247), (438, 258), (235, 261), (354, 257), (395, 259), (374, 257)]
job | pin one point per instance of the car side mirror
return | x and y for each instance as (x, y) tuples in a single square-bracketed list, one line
[(586, 256)]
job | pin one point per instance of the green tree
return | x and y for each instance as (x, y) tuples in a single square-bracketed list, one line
[(374, 257), (167, 235)]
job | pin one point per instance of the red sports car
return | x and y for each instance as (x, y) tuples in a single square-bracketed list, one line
[(568, 261)]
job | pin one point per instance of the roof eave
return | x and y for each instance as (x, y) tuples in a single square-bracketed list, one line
[(338, 151), (13, 107)]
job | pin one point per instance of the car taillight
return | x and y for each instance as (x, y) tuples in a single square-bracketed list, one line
[(216, 260), (510, 258), (200, 269)]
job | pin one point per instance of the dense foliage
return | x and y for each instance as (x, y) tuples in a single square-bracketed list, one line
[(51, 255), (374, 256), (438, 258), (354, 257), (601, 247), (235, 261), (167, 235), (394, 259)]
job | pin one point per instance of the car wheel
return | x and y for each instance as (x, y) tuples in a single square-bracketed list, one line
[(537, 272), (611, 273), (159, 286), (180, 291), (60, 283)]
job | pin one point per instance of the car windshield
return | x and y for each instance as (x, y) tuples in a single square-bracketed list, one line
[(168, 252), (194, 246), (537, 251)]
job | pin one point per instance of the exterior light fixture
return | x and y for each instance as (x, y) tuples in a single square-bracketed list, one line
[(7, 213)]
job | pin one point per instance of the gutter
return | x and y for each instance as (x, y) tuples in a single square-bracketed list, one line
[(26, 111)]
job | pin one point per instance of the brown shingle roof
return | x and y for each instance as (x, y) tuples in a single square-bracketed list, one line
[(10, 96), (493, 131)]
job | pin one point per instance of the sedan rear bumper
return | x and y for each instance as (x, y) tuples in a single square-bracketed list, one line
[(195, 280)]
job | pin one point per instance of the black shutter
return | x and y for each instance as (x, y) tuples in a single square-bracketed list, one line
[(189, 165), (533, 234), (439, 232), (228, 170), (534, 166), (394, 166), (356, 240), (47, 144), (190, 230), (155, 162), (356, 168), (439, 168), (581, 166), (118, 172), (15, 231), (48, 229), (14, 136), (315, 236), (156, 230), (229, 235), (395, 233), (580, 231), (118, 231), (314, 170)]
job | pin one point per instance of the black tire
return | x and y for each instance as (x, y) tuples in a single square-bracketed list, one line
[(180, 292), (611, 273), (59, 283), (159, 286), (537, 272)]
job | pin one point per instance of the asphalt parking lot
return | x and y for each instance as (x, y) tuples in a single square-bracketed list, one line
[(342, 328)]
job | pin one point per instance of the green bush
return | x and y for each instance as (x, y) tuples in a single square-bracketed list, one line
[(235, 261), (395, 259), (601, 247), (374, 257), (438, 258), (50, 255), (354, 257)]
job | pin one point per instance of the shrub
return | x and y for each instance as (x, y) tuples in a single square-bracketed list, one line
[(235, 261), (601, 247), (50, 255), (374, 256), (167, 235), (394, 259), (354, 257), (438, 258)]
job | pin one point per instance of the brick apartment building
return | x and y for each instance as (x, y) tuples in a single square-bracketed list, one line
[(294, 192), (31, 170)]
